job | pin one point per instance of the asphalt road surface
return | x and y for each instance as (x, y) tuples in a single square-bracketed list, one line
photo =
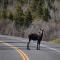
[(14, 48)]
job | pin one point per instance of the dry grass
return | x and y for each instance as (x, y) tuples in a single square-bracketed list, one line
[(55, 41)]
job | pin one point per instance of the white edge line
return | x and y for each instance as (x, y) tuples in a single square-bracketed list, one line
[(25, 57), (46, 46)]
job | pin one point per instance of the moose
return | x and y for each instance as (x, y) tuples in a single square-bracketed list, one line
[(35, 37)]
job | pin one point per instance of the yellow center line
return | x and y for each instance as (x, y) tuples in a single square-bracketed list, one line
[(23, 55)]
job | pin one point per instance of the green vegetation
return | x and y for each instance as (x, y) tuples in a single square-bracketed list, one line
[(19, 16), (37, 8), (46, 15), (4, 14), (28, 18), (42, 8), (22, 13), (55, 41), (10, 16)]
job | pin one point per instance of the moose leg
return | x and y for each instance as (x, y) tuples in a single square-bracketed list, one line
[(38, 45), (28, 44)]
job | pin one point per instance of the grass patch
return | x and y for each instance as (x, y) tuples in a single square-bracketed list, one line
[(56, 41)]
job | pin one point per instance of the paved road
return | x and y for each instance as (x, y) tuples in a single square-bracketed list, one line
[(48, 51)]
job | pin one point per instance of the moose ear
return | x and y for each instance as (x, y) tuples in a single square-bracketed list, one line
[(40, 28), (39, 32)]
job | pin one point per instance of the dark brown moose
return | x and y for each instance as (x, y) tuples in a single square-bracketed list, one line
[(35, 37)]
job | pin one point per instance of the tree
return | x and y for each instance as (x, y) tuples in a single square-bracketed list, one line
[(40, 7), (5, 4), (0, 3), (50, 4), (4, 14), (22, 2), (46, 15), (33, 5), (0, 15), (28, 18), (10, 16), (19, 16), (43, 9)]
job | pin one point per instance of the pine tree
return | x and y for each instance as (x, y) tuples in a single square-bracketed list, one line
[(5, 4), (28, 18), (22, 2), (33, 5), (50, 4), (4, 14), (19, 16), (46, 15), (10, 16), (40, 7)]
